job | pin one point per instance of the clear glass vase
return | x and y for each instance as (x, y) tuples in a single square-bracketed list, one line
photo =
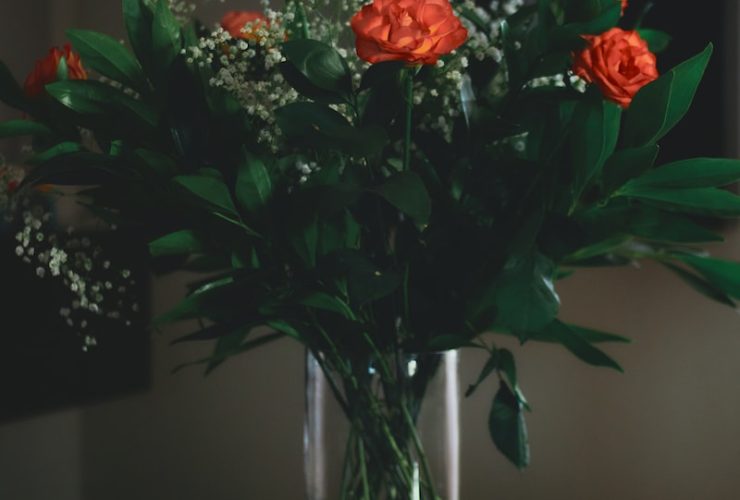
[(390, 430)]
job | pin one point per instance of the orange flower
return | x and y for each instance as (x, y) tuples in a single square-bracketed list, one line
[(415, 31), (235, 21), (46, 70), (619, 62), (625, 4)]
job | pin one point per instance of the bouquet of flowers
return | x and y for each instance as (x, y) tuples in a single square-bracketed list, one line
[(379, 182)]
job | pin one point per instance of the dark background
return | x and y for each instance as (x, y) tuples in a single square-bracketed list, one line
[(708, 128), (42, 364)]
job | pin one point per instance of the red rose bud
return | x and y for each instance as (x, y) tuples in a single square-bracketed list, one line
[(414, 31), (57, 65), (619, 62), (235, 21), (625, 4)]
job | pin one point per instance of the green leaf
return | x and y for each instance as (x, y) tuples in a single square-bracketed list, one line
[(62, 69), (508, 428), (320, 127), (597, 337), (95, 98), (177, 243), (407, 192), (490, 367), (108, 57), (594, 137), (568, 35), (326, 302), (10, 92), (303, 86), (16, 128), (63, 148), (210, 189), (381, 74), (232, 349), (660, 105), (166, 36), (304, 239), (701, 285), (702, 201), (658, 41), (207, 301), (253, 184), (158, 162), (579, 346), (525, 296), (693, 173), (321, 64), (656, 225), (626, 164), (723, 274), (138, 19), (366, 282)]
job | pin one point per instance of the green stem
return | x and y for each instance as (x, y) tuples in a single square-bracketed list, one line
[(409, 80), (363, 471), (420, 451)]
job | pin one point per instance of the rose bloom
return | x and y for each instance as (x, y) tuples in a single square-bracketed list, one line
[(235, 21), (415, 31), (46, 69), (619, 62)]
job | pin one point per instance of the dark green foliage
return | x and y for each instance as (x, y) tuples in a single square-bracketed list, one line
[(365, 256)]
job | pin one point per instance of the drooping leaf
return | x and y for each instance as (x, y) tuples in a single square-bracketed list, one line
[(492, 364), (701, 285), (724, 274), (507, 427), (216, 360), (578, 345), (108, 57)]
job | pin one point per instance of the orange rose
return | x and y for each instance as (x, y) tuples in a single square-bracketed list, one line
[(235, 21), (415, 31), (46, 70), (619, 62)]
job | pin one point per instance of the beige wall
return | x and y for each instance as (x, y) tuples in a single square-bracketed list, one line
[(667, 429)]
